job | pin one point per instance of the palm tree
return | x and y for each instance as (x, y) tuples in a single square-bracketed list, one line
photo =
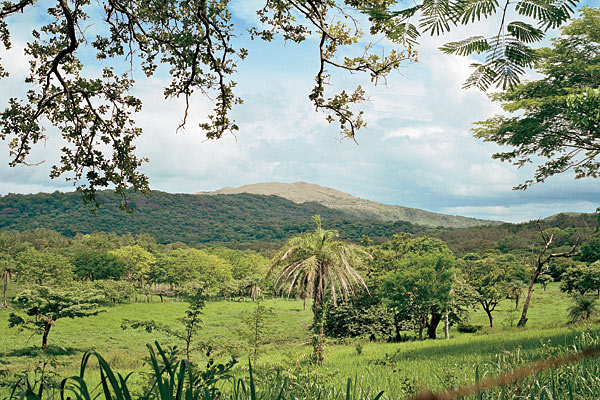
[(315, 264)]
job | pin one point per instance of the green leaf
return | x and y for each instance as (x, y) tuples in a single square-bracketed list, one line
[(470, 10), (474, 44), (524, 32)]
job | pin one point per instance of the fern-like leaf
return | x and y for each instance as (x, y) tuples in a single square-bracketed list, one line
[(475, 44), (550, 13), (470, 10), (482, 77), (437, 15), (524, 32)]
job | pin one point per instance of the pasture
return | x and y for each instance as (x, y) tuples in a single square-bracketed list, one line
[(398, 369)]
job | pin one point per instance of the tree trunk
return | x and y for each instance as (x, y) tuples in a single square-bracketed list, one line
[(534, 277), (490, 317), (436, 318), (47, 327), (447, 324), (5, 305), (421, 332)]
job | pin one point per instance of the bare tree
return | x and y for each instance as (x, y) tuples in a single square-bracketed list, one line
[(541, 260)]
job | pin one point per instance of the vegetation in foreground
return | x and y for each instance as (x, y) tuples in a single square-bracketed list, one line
[(398, 369)]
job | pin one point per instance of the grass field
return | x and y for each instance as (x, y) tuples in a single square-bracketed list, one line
[(396, 368)]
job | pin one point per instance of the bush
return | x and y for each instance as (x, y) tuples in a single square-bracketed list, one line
[(360, 317)]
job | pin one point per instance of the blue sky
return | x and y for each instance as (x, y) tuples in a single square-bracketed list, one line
[(417, 149)]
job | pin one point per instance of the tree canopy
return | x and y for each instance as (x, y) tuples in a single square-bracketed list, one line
[(199, 42), (556, 117)]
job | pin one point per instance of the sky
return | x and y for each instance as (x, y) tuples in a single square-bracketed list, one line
[(416, 151)]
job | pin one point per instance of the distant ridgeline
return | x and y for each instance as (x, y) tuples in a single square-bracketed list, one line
[(237, 220)]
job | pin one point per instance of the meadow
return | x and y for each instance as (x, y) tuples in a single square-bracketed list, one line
[(397, 369)]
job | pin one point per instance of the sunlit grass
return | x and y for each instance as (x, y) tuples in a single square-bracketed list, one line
[(396, 368)]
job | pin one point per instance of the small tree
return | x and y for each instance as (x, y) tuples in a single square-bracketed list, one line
[(256, 324), (583, 309), (191, 323), (544, 280), (44, 306), (490, 278)]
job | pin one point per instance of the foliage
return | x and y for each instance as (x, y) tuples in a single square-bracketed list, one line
[(590, 250), (362, 316), (256, 328), (44, 306), (197, 42), (317, 265), (95, 264), (420, 284), (191, 324), (490, 278), (555, 117), (43, 267), (114, 291), (242, 220), (583, 309), (7, 269), (137, 261), (581, 278)]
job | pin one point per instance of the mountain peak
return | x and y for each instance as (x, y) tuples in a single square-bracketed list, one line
[(302, 192)]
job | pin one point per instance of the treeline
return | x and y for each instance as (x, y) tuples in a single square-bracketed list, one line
[(417, 283), (514, 238), (124, 267), (238, 221)]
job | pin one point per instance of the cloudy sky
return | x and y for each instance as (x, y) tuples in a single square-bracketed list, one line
[(417, 149)]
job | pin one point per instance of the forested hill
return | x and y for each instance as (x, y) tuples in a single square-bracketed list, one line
[(301, 192), (240, 220)]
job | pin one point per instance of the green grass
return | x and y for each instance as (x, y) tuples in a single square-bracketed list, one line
[(396, 368)]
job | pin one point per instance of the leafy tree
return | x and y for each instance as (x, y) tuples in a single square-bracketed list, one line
[(590, 250), (94, 264), (44, 306), (43, 267), (555, 117), (420, 286), (361, 316), (138, 262), (544, 280), (317, 264), (490, 277), (196, 40), (582, 278)]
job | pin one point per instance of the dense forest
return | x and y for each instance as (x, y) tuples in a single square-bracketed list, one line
[(241, 220)]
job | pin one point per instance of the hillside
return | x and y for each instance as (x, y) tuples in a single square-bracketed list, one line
[(301, 192), (240, 220)]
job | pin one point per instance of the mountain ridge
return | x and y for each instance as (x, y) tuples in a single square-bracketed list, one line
[(303, 192)]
